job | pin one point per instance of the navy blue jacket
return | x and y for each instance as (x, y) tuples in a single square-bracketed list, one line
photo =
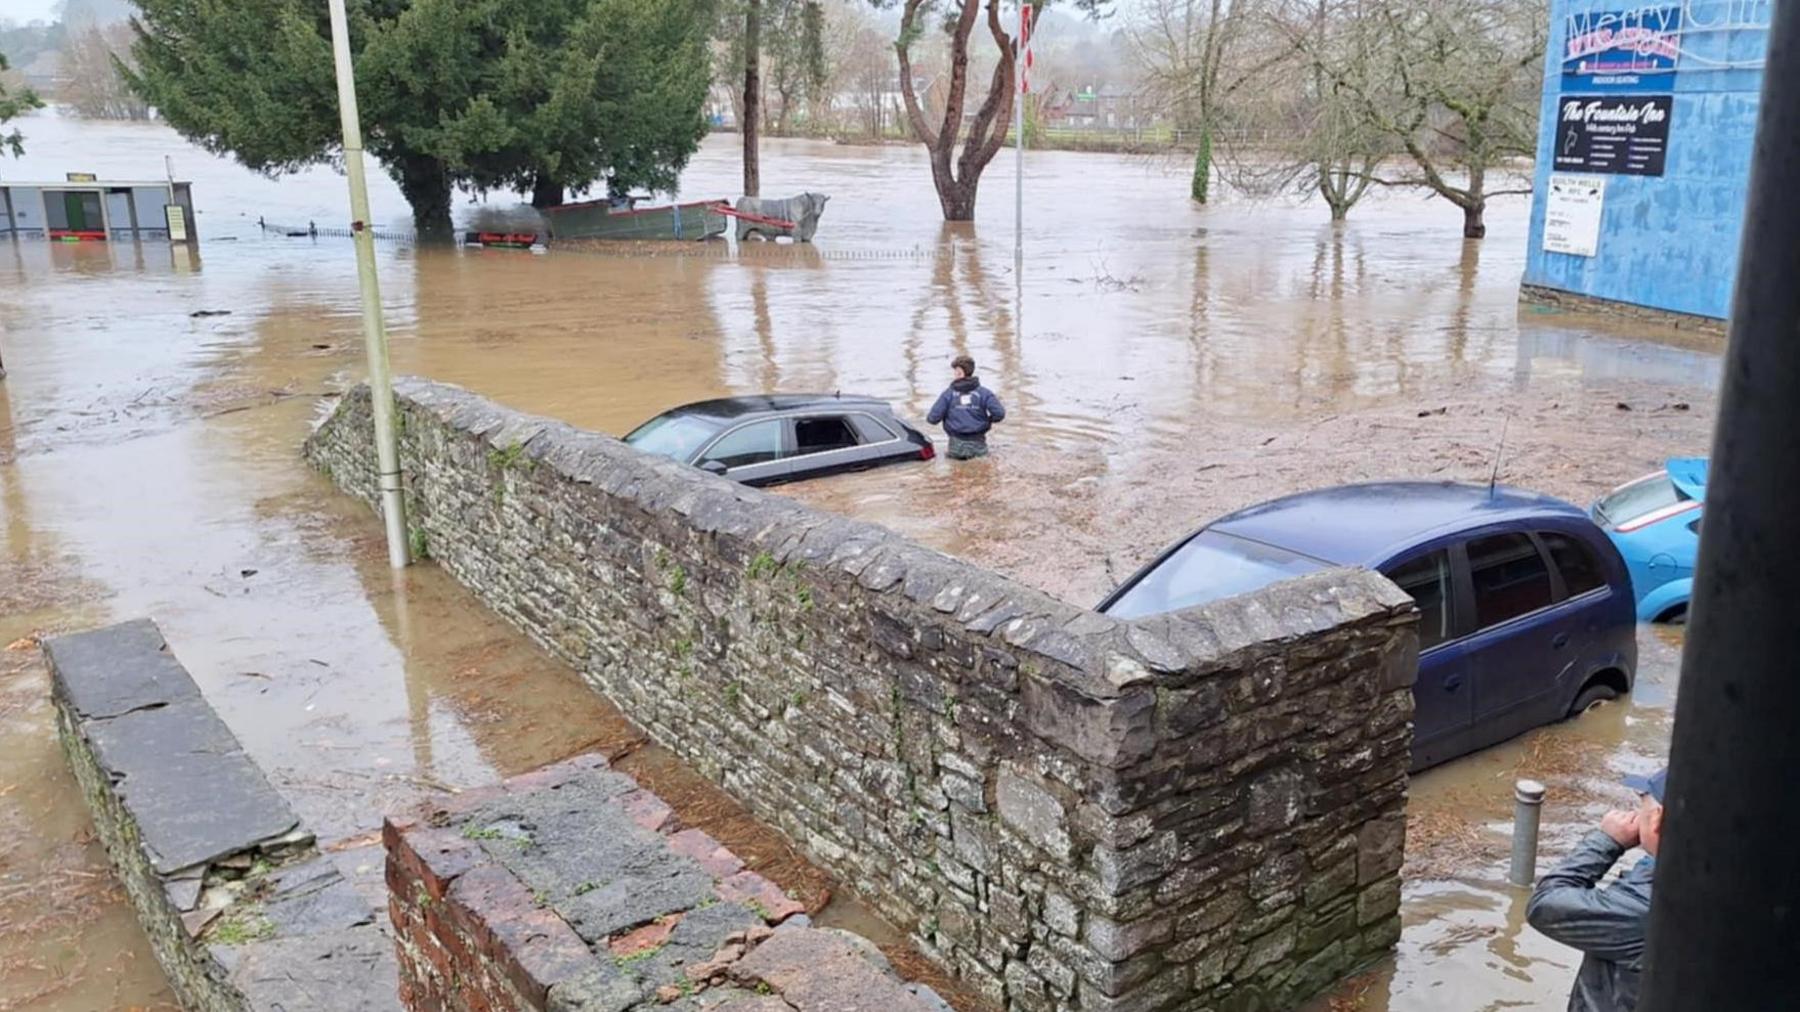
[(1608, 926), (967, 409)]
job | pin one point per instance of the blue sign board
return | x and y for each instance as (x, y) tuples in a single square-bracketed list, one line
[(1621, 50)]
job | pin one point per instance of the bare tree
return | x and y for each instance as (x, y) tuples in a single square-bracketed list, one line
[(958, 177), (91, 57), (1318, 141), (1195, 55), (1453, 84)]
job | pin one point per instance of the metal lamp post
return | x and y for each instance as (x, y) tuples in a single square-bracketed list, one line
[(381, 392)]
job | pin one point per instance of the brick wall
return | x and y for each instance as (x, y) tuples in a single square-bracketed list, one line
[(1198, 810), (572, 888)]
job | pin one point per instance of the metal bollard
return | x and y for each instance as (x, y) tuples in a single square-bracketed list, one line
[(1528, 802)]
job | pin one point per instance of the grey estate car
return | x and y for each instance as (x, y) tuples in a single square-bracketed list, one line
[(765, 439)]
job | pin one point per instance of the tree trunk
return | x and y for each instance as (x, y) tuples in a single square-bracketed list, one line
[(426, 187), (956, 186), (1474, 220), (1202, 167), (752, 121), (546, 192)]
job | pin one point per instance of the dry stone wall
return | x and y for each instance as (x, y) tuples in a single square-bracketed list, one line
[(1195, 811)]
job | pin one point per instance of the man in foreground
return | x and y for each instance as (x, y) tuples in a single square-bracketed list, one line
[(967, 411), (1609, 925)]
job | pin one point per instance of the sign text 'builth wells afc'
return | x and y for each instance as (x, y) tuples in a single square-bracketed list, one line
[(1620, 134)]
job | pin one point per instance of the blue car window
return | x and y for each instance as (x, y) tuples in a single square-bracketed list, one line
[(1212, 565), (1580, 570), (1427, 579), (1510, 578)]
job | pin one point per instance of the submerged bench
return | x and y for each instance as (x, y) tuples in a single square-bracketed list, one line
[(241, 909)]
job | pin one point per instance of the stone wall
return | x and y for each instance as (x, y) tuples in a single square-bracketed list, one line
[(1202, 810), (240, 908), (572, 888)]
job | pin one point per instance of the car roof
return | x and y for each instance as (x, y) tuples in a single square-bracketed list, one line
[(1364, 525), (763, 404)]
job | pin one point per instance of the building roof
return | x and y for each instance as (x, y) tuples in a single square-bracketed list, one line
[(63, 184), (1366, 524)]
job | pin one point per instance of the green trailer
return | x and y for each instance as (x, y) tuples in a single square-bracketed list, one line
[(598, 219)]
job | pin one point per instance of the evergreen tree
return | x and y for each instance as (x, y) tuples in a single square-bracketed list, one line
[(536, 96)]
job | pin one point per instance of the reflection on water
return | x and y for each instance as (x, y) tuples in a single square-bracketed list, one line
[(1175, 362)]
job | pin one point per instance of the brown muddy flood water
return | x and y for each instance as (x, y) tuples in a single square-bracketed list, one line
[(1173, 363)]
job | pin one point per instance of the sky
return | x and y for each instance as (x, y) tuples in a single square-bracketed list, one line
[(25, 11)]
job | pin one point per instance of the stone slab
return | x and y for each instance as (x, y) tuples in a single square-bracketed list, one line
[(194, 793), (117, 669), (330, 972)]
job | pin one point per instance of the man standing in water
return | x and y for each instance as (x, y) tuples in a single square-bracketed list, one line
[(1610, 926), (967, 411)]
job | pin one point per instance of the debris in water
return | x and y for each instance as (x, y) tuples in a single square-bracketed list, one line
[(247, 573), (1622, 406), (1434, 411), (196, 314)]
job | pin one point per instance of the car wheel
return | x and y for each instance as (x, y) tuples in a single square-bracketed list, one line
[(1676, 617), (1593, 696)]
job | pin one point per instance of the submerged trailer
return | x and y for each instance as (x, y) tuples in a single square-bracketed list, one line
[(599, 219)]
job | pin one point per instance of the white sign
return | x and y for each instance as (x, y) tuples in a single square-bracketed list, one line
[(1572, 214), (176, 217)]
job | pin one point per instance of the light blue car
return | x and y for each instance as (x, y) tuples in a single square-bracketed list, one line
[(1655, 521)]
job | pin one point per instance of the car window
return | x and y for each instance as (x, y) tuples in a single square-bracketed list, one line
[(1695, 527), (676, 436), (1639, 499), (1510, 578), (1575, 561), (1212, 565), (1427, 579), (817, 435), (874, 430), (756, 443)]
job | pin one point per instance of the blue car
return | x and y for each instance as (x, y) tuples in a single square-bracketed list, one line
[(1655, 521), (1525, 608)]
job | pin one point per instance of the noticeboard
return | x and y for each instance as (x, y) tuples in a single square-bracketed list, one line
[(176, 217), (1572, 214), (1617, 134)]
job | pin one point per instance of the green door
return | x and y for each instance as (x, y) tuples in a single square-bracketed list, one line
[(76, 210)]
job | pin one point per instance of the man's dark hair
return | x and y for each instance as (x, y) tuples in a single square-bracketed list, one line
[(965, 363)]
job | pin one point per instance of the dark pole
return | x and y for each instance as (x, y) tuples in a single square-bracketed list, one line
[(1725, 912)]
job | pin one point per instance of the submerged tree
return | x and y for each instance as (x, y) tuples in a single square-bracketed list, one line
[(957, 177), (1195, 55), (15, 100), (1319, 141), (1452, 85), (779, 42), (536, 96)]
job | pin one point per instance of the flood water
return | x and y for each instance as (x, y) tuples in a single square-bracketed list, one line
[(1171, 363)]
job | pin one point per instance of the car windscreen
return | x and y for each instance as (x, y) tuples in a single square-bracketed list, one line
[(676, 436), (1212, 565), (1638, 500)]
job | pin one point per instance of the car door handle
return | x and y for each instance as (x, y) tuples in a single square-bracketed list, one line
[(1452, 683), (1560, 640)]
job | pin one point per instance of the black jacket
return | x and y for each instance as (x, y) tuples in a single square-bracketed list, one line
[(1608, 925)]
